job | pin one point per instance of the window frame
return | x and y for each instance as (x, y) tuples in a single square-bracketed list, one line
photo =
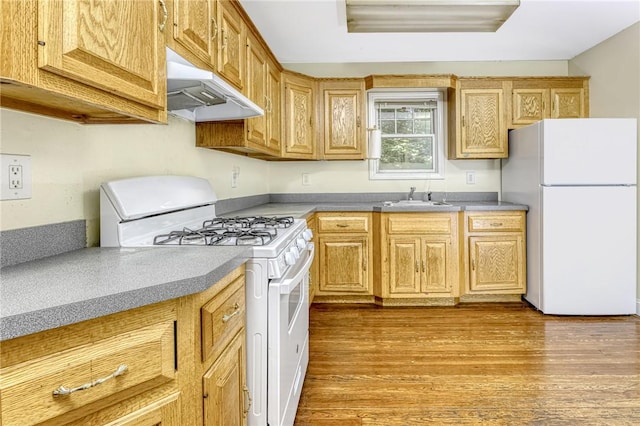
[(395, 95)]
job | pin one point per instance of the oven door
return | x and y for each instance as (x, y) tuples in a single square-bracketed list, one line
[(288, 338)]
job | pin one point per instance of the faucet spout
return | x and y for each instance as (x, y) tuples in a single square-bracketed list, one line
[(411, 191)]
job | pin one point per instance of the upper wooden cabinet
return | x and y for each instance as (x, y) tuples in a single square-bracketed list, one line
[(232, 44), (84, 60), (534, 99), (257, 91), (477, 120), (299, 116), (195, 27), (343, 110)]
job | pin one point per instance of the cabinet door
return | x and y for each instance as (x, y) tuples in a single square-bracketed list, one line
[(114, 45), (343, 130), (256, 91), (299, 137), (343, 263), (484, 133), (567, 103), (274, 109), (496, 264), (165, 412), (404, 265), (232, 44), (196, 27), (529, 105), (225, 393), (434, 266)]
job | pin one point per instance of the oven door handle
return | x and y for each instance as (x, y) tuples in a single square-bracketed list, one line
[(294, 276)]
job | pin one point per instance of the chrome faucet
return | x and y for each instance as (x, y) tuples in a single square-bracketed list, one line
[(411, 191)]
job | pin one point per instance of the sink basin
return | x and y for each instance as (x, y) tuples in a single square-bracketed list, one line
[(419, 203)]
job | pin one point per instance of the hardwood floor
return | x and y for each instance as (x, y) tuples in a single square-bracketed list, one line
[(490, 364)]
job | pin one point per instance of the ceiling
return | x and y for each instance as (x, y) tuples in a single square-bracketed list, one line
[(315, 31)]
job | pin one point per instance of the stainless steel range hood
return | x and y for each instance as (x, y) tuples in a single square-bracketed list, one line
[(200, 95)]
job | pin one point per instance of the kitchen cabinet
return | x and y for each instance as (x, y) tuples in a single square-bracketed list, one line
[(495, 252), (299, 117), (343, 110), (314, 271), (43, 375), (419, 257), (477, 120), (91, 62), (196, 29), (231, 44), (257, 92), (536, 99), (344, 256)]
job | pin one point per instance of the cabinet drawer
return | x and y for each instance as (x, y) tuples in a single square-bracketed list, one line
[(222, 317), (420, 223), (146, 354), (493, 222), (341, 224)]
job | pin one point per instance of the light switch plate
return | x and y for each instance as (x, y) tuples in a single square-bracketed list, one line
[(15, 177)]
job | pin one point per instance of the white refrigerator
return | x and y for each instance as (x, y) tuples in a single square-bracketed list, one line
[(578, 177)]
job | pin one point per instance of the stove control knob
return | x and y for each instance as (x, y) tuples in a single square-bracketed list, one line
[(307, 234), (295, 252), (289, 258), (301, 243)]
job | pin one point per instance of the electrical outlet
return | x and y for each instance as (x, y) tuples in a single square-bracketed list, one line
[(471, 178), (15, 177), (305, 179), (235, 175)]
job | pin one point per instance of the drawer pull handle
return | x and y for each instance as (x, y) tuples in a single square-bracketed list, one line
[(215, 28), (61, 391), (342, 225), (424, 268), (247, 400), (417, 267), (227, 317), (496, 223)]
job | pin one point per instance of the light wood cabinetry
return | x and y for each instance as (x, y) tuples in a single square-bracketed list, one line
[(344, 254), (477, 120), (343, 116), (419, 257), (232, 44), (299, 117), (536, 99), (91, 62), (314, 273), (196, 29), (495, 252), (53, 376)]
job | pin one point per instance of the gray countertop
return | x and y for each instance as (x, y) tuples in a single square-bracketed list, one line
[(93, 282), (89, 283), (302, 210)]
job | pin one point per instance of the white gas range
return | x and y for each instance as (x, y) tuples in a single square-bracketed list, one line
[(180, 210)]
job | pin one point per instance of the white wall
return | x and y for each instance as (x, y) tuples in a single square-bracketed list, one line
[(69, 162), (614, 67)]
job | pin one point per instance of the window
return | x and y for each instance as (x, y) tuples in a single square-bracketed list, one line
[(412, 127)]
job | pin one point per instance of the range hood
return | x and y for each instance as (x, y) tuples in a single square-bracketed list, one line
[(200, 95)]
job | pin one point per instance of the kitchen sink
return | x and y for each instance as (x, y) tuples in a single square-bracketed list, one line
[(418, 203)]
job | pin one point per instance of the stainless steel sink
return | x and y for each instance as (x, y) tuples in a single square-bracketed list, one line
[(419, 203)]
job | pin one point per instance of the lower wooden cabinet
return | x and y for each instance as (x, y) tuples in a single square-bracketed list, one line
[(224, 389), (419, 256), (344, 254), (495, 252), (52, 376)]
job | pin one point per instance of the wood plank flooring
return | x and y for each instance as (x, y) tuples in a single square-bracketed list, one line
[(489, 364)]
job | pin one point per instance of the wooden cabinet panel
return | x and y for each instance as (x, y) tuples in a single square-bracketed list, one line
[(232, 45), (165, 412), (483, 128), (343, 262), (529, 105), (344, 223), (496, 263), (224, 392), (343, 132), (196, 27), (404, 265), (115, 45), (495, 252), (420, 224), (567, 103), (273, 112), (222, 317), (256, 91), (299, 113), (435, 266)]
